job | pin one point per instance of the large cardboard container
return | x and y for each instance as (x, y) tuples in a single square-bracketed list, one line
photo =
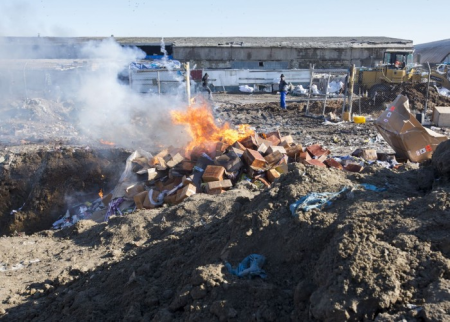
[(441, 116), (404, 133)]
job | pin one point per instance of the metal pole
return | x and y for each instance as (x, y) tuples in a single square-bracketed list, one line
[(326, 93), (311, 68), (359, 100), (428, 88), (159, 83)]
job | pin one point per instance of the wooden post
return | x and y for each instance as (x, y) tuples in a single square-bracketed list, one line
[(311, 68), (188, 83), (352, 82), (326, 93)]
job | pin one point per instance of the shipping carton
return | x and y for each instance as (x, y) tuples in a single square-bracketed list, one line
[(409, 139)]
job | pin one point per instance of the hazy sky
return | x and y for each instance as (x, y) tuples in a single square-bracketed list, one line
[(420, 21)]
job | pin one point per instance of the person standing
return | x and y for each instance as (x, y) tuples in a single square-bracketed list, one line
[(283, 87), (205, 80)]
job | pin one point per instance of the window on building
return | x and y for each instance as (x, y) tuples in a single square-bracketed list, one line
[(261, 64)]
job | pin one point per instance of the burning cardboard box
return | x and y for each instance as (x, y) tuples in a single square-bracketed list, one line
[(409, 139)]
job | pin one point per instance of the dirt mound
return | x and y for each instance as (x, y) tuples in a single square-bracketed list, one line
[(368, 255), (441, 159)]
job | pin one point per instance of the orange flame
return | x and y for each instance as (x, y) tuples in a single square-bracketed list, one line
[(203, 129), (100, 193), (106, 142)]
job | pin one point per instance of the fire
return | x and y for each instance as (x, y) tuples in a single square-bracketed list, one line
[(100, 193), (106, 142), (203, 129)]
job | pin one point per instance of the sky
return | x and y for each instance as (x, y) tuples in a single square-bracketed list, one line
[(420, 21)]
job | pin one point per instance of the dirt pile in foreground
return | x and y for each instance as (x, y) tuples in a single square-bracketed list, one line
[(369, 255)]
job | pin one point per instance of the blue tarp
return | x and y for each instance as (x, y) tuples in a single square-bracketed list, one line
[(251, 266), (157, 64)]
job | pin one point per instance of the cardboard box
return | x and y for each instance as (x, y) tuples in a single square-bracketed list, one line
[(134, 189), (147, 203), (332, 163), (441, 116), (409, 139), (272, 149), (367, 154), (354, 167), (177, 158), (214, 185), (315, 162), (272, 175), (317, 151), (254, 159), (186, 192), (274, 157), (213, 173), (249, 142)]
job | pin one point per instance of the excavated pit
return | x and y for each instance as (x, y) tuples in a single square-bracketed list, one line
[(37, 185)]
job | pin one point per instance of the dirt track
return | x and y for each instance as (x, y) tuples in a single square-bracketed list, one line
[(370, 255)]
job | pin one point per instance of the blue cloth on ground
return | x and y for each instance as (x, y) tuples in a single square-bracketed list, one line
[(314, 200), (251, 266), (368, 186)]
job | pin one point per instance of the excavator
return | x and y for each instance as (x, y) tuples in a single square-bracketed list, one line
[(398, 68)]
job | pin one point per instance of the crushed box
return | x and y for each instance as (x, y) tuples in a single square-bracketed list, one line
[(404, 133)]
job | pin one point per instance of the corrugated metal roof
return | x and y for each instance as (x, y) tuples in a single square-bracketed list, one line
[(433, 52), (292, 42)]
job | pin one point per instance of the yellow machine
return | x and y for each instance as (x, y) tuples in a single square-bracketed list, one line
[(396, 68), (440, 76)]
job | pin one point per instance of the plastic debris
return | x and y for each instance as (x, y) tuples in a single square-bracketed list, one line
[(246, 89), (250, 267), (372, 187), (315, 200)]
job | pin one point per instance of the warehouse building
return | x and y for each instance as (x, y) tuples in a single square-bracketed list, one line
[(436, 52), (225, 52)]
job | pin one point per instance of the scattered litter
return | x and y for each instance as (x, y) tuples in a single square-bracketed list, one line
[(246, 89), (372, 187), (315, 200), (250, 267)]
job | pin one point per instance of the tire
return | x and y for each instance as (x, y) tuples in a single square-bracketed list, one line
[(379, 90)]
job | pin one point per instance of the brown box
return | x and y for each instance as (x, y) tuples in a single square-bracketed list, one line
[(139, 199), (272, 174), (147, 203), (274, 157), (272, 149), (221, 147), (316, 150), (354, 167), (254, 159), (213, 173), (262, 148), (239, 145), (408, 138), (286, 140), (249, 142), (186, 165), (332, 163), (282, 168), (305, 156), (186, 192), (177, 158), (441, 116), (274, 137), (294, 151), (171, 200), (315, 162), (156, 158), (107, 199), (213, 185), (133, 190), (367, 154), (237, 151)]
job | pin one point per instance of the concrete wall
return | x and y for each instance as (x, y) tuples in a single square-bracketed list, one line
[(222, 57)]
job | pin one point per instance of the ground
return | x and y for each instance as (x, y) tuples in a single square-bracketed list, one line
[(369, 255)]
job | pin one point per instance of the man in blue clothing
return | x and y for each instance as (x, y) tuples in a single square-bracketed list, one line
[(283, 88)]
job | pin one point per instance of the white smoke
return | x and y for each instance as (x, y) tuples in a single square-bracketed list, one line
[(102, 106)]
